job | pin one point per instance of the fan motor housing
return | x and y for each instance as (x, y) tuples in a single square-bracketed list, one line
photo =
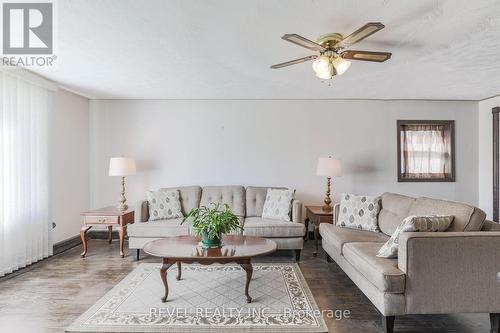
[(329, 40)]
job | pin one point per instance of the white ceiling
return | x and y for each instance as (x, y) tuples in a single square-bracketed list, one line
[(222, 49)]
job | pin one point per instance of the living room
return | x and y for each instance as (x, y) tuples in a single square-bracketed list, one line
[(235, 166)]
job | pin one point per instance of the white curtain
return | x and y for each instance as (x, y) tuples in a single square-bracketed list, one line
[(25, 231), (425, 151)]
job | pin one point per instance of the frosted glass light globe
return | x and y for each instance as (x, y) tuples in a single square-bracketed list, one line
[(323, 67), (341, 65)]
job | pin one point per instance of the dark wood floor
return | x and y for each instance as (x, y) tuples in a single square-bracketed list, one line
[(49, 296)]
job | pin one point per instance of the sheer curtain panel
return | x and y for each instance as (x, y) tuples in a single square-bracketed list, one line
[(425, 151), (25, 231)]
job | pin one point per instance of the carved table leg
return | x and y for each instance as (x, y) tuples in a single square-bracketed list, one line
[(179, 270), (163, 275), (110, 236), (122, 231), (83, 236), (316, 236), (247, 266)]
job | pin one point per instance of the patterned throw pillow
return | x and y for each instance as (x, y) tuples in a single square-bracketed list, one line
[(414, 223), (359, 212), (278, 204), (164, 204)]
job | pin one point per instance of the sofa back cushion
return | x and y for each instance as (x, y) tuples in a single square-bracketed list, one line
[(255, 198), (234, 196), (467, 218), (189, 196), (395, 208)]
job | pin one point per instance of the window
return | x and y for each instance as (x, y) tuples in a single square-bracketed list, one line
[(425, 150)]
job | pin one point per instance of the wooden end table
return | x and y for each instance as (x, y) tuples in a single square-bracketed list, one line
[(317, 215), (187, 249), (110, 217)]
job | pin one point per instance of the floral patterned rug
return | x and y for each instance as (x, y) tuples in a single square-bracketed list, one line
[(206, 299)]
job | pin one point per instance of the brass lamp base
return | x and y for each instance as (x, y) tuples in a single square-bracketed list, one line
[(327, 207), (122, 206)]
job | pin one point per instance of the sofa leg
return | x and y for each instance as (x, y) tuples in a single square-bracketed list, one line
[(328, 258), (388, 324), (495, 322), (297, 255), (137, 254)]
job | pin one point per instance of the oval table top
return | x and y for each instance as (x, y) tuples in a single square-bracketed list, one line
[(189, 247)]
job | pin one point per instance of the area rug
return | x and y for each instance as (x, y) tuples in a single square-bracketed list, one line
[(206, 299)]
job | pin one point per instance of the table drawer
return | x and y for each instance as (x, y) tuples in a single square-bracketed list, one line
[(101, 219)]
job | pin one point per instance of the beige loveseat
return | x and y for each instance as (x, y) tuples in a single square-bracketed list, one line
[(439, 272), (247, 204)]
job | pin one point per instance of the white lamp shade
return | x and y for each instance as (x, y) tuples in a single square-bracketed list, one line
[(121, 166), (329, 167)]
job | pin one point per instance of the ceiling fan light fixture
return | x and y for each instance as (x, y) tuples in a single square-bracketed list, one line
[(333, 58), (341, 65), (323, 67), (325, 75)]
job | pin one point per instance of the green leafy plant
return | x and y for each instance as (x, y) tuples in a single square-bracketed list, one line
[(212, 222)]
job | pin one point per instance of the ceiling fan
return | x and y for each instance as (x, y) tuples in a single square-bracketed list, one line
[(331, 59)]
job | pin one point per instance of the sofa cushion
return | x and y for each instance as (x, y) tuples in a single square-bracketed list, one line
[(432, 223), (164, 204), (234, 196), (338, 236), (467, 218), (278, 204), (189, 196), (260, 227), (359, 212), (255, 198), (383, 273), (158, 229), (395, 207)]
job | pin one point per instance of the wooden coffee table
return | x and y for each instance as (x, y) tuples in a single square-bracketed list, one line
[(187, 249)]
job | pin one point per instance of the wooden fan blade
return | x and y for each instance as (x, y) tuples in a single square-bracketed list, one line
[(360, 34), (293, 62), (366, 55), (304, 42)]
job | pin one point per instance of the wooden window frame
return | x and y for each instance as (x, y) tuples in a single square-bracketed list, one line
[(451, 124)]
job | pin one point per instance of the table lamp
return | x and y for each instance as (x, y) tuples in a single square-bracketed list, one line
[(121, 167), (328, 167)]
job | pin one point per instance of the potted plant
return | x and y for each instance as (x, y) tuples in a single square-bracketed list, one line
[(210, 223)]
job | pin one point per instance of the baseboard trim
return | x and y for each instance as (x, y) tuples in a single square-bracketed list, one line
[(67, 244)]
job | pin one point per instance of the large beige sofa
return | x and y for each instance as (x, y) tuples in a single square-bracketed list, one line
[(247, 204), (441, 272)]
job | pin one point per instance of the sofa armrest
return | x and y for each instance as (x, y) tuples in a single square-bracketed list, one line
[(297, 211), (141, 212), (450, 272), (336, 210)]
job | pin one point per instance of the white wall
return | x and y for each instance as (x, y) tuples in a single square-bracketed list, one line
[(485, 154), (69, 163), (270, 143)]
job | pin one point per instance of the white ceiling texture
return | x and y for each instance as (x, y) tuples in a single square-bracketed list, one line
[(222, 49)]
